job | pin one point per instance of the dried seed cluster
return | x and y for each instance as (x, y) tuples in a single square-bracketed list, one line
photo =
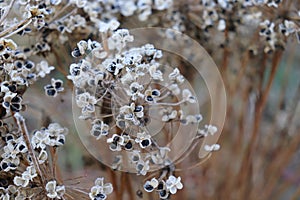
[(117, 88)]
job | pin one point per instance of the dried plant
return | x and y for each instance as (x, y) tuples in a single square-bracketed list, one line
[(129, 74)]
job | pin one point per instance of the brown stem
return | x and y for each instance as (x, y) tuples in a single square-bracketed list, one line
[(113, 179), (129, 186), (22, 126), (123, 184), (277, 165), (245, 170)]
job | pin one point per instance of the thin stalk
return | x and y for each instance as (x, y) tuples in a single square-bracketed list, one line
[(129, 186), (245, 172), (15, 29), (22, 126), (122, 186), (7, 11), (113, 179)]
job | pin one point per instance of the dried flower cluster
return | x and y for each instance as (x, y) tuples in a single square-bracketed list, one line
[(122, 91), (140, 91)]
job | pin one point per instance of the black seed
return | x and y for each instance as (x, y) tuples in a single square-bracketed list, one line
[(134, 89), (62, 141), (57, 84), (12, 165), (128, 145), (163, 193), (149, 98), (116, 139), (61, 28), (9, 137), (112, 68), (4, 165), (31, 76), (138, 108), (12, 88), (100, 195), (20, 32), (140, 167), (160, 186), (15, 107), (21, 147), (41, 6), (39, 47), (6, 104), (155, 93), (49, 87), (26, 50), (96, 133), (145, 143), (76, 52), (148, 187), (6, 55), (51, 92), (29, 65), (19, 65), (183, 121), (16, 99)]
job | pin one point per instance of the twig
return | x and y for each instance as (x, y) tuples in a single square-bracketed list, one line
[(7, 11), (22, 126), (16, 28), (114, 183), (245, 169), (129, 186)]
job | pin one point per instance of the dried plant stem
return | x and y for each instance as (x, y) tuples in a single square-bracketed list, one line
[(262, 71), (105, 43), (59, 64), (244, 63), (277, 165), (16, 28), (113, 179), (129, 186), (225, 54), (7, 11), (245, 172), (61, 11), (122, 186), (22, 126), (55, 170)]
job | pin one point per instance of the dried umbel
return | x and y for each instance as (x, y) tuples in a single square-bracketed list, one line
[(142, 115), (135, 107)]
